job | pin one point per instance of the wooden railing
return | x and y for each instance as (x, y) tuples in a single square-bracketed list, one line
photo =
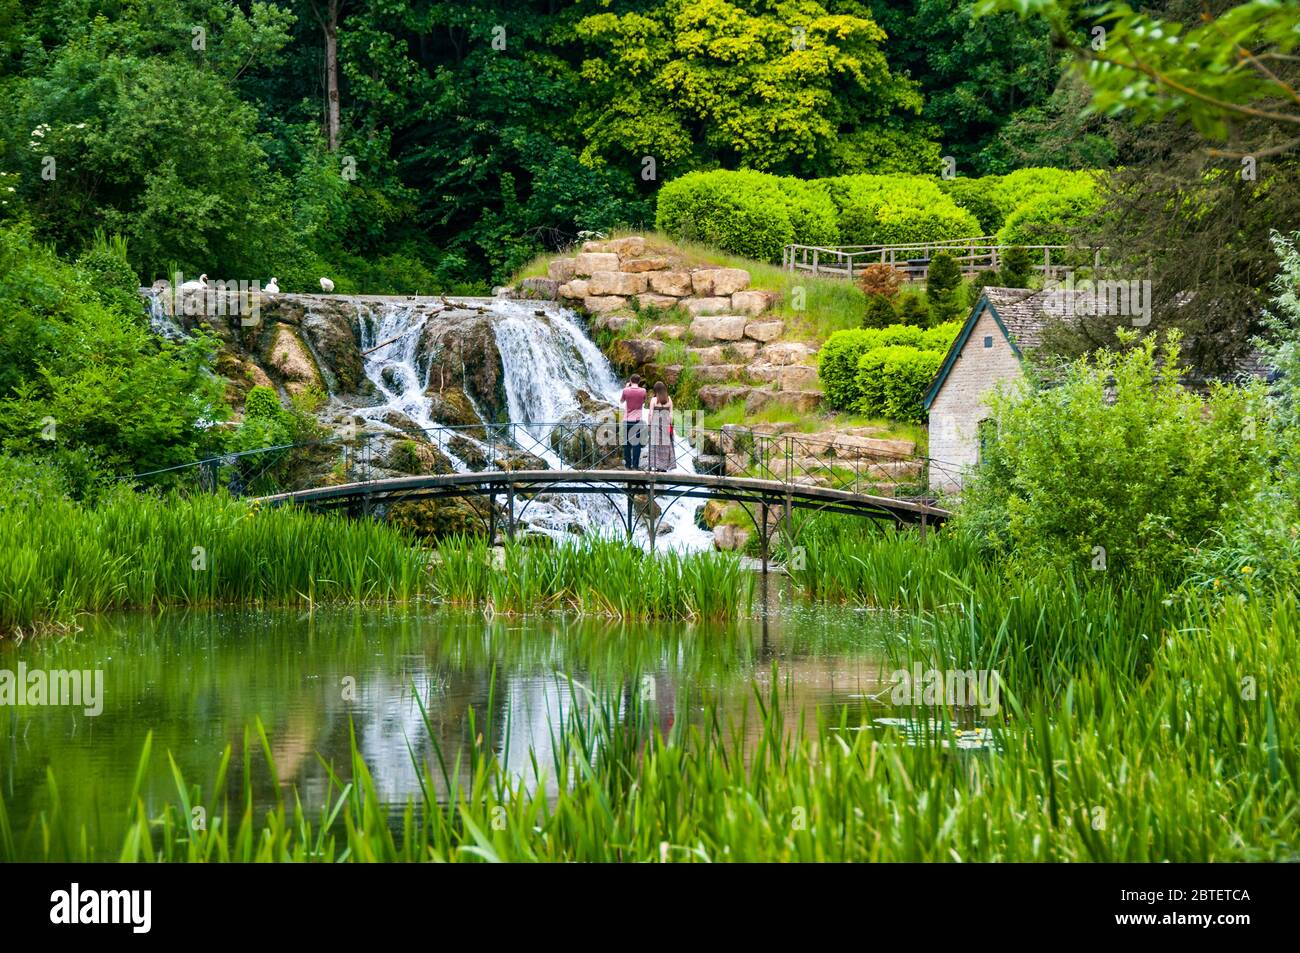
[(973, 255)]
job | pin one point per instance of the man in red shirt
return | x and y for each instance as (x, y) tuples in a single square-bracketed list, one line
[(633, 402)]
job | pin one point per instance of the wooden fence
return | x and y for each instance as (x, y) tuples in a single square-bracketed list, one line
[(973, 255)]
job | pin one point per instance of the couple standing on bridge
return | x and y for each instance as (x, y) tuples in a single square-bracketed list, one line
[(654, 433)]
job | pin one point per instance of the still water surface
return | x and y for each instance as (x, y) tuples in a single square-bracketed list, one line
[(197, 679)]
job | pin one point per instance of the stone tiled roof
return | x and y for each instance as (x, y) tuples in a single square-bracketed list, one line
[(1025, 313)]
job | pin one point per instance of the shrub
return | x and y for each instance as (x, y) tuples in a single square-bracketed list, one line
[(1016, 189), (984, 279), (892, 381), (975, 196), (837, 361), (1051, 219), (943, 290), (914, 311), (813, 215), (1117, 465), (1017, 267), (941, 336), (837, 365), (880, 312), (881, 279), (896, 210), (739, 212)]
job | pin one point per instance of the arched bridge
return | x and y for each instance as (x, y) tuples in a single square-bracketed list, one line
[(775, 478)]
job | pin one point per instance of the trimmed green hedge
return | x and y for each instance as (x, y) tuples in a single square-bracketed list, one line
[(1051, 219), (754, 214), (839, 363), (740, 212), (892, 381)]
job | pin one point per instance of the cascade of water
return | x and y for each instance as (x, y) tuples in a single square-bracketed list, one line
[(546, 358)]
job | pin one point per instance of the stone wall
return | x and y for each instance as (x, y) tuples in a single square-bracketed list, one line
[(960, 404)]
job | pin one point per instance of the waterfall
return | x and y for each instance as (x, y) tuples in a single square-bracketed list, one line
[(546, 358)]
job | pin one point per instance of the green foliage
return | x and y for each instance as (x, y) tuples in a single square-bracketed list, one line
[(897, 210), (892, 381), (740, 212), (1117, 455), (975, 196), (81, 376), (1017, 266), (983, 279), (697, 81), (1052, 219), (913, 311), (840, 358), (943, 289), (1258, 547), (880, 312)]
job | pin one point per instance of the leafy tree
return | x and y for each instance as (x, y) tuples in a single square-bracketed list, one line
[(1117, 459), (1017, 266), (879, 313), (79, 375), (694, 81), (943, 288)]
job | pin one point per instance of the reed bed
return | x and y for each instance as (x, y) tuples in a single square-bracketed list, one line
[(594, 576), (1180, 766), (59, 558)]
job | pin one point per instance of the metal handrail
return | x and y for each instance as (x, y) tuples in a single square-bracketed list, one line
[(793, 459)]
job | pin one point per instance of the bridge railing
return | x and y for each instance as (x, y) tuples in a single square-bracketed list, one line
[(857, 464)]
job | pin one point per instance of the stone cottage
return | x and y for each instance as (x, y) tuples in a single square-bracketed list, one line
[(1003, 325)]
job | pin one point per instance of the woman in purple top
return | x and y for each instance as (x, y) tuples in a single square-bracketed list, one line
[(633, 402)]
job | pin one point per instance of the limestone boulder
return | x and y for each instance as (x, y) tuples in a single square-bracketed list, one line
[(560, 269), (717, 396), (872, 448), (698, 306), (719, 282), (740, 350), (717, 373), (588, 263), (764, 330), (799, 401), (633, 352), (597, 304), (577, 288), (730, 538), (631, 247), (752, 302), (615, 283), (546, 289), (595, 247), (612, 322), (652, 300), (707, 355), (638, 265), (798, 377), (722, 328), (675, 283), (666, 332), (786, 352)]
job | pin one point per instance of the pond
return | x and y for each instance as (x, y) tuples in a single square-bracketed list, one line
[(197, 680)]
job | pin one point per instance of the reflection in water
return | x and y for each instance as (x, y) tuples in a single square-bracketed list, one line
[(413, 684)]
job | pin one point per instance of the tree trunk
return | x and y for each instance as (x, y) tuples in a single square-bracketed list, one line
[(330, 25)]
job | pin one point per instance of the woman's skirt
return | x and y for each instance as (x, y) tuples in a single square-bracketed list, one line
[(662, 455)]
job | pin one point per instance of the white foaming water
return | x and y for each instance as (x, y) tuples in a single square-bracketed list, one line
[(546, 359)]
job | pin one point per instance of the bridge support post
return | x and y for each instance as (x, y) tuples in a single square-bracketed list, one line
[(763, 536), (924, 526), (492, 517), (510, 516), (650, 512)]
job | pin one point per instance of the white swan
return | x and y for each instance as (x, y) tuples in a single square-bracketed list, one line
[(199, 284), (273, 288), (326, 285)]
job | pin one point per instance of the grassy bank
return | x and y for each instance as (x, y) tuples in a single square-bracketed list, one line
[(1182, 764), (60, 558), (594, 577)]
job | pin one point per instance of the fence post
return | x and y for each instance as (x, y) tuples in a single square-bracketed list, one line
[(815, 264), (1047, 262)]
